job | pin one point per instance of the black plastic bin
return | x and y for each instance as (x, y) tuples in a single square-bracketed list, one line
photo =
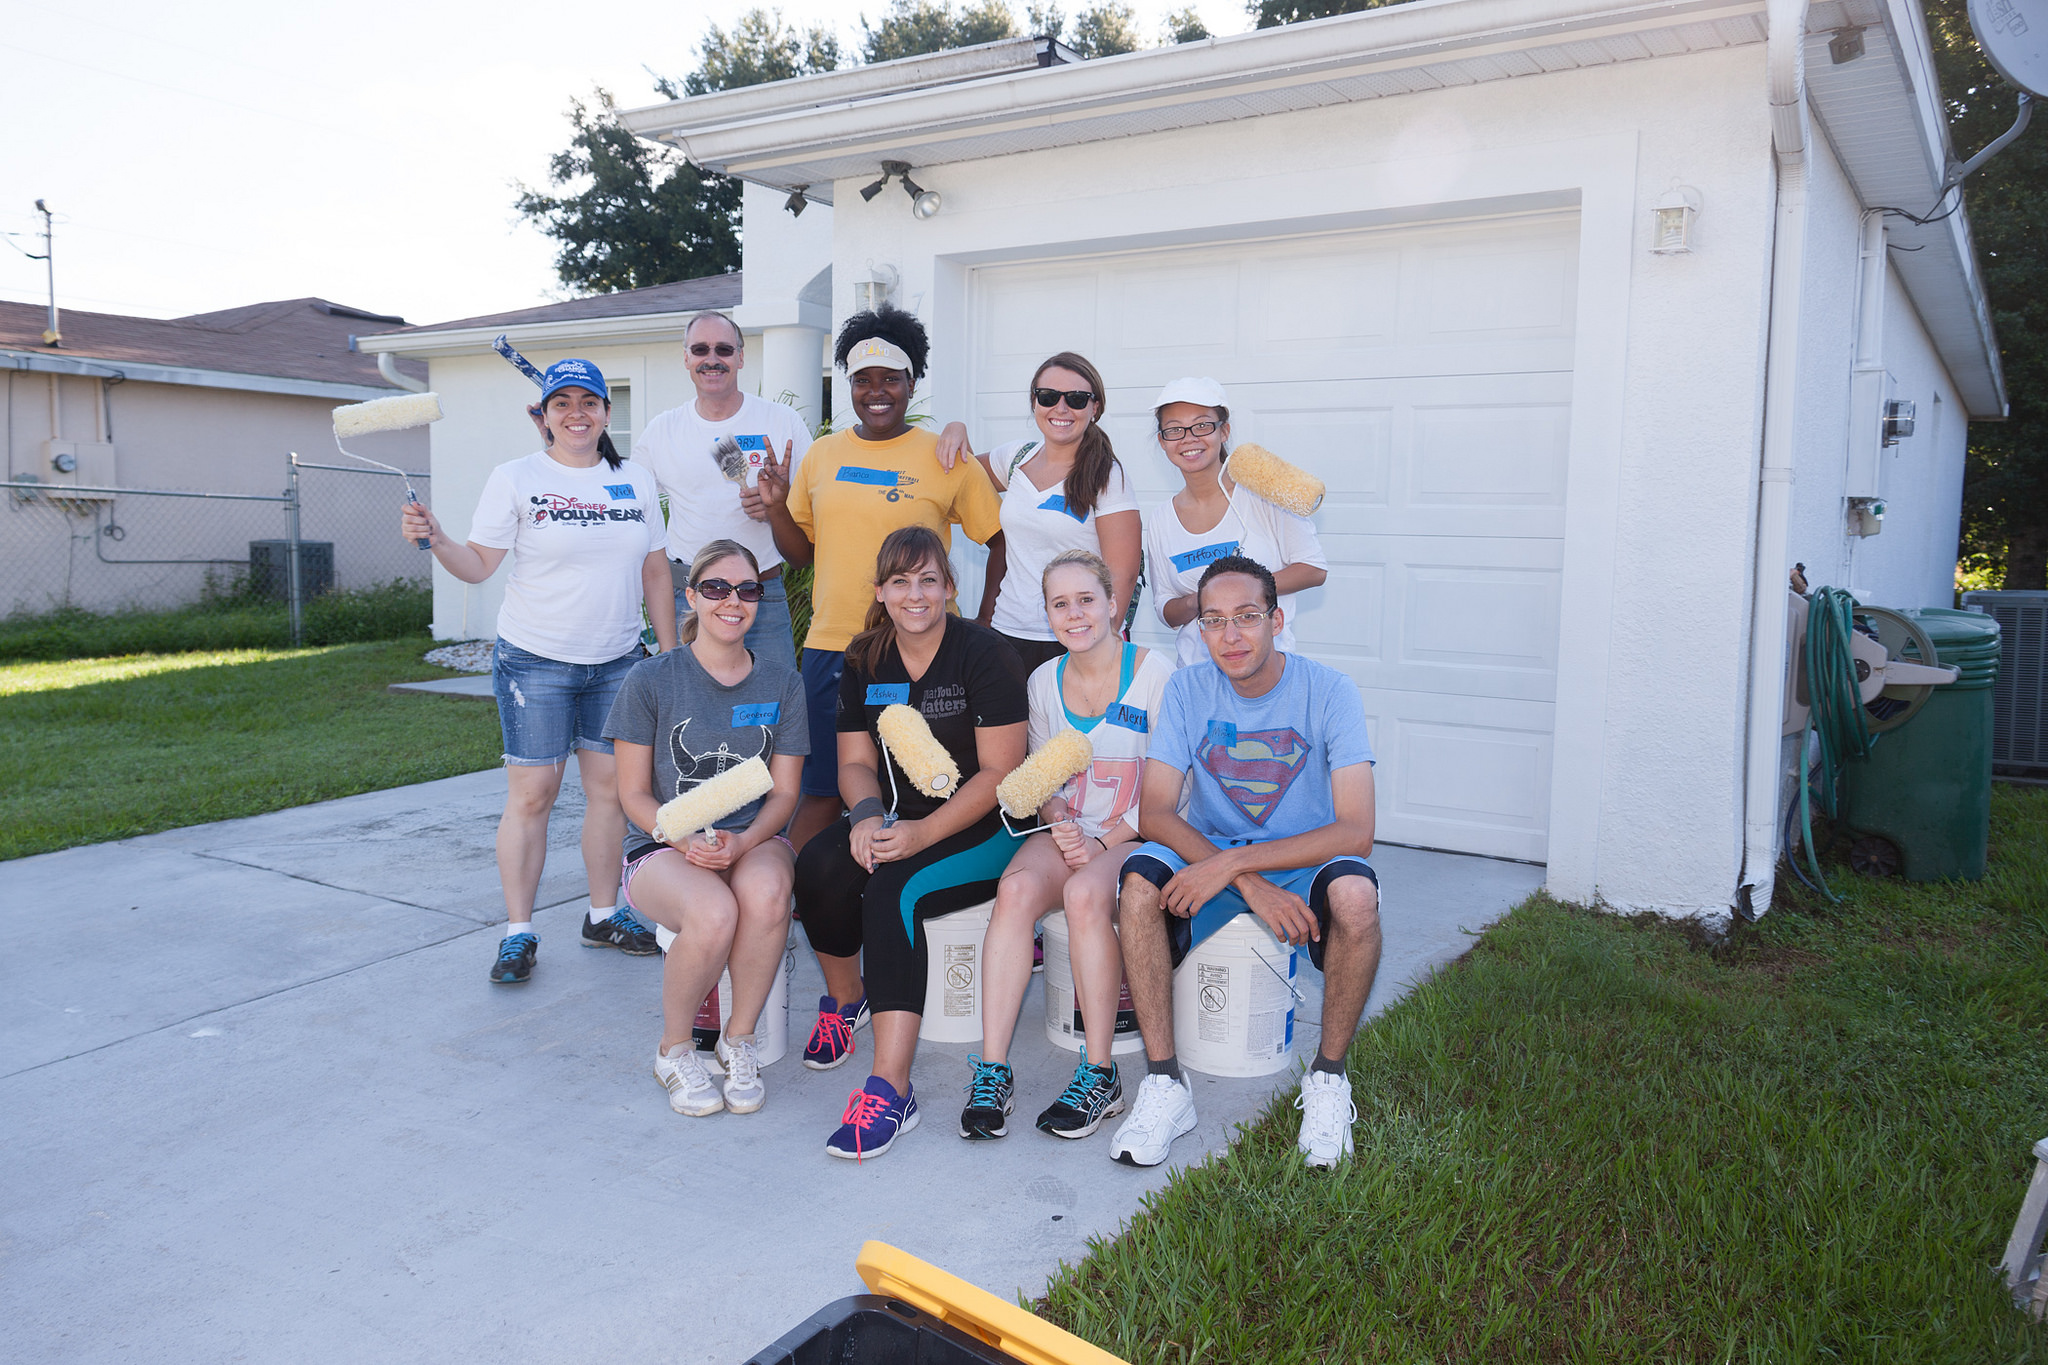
[(868, 1329), (270, 567)]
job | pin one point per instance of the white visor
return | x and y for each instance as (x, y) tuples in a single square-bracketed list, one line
[(875, 351)]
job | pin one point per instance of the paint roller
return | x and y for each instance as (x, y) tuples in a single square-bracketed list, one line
[(400, 412), (704, 805), (532, 371), (917, 751), (1040, 777), (1288, 487)]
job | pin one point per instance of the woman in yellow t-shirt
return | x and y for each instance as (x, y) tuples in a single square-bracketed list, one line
[(853, 488)]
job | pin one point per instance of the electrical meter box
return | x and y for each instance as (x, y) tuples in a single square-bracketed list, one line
[(82, 464)]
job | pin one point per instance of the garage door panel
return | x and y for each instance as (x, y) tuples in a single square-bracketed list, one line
[(1022, 321), (1306, 301), (1348, 447), (1490, 455), (1444, 781), (1173, 315), (1518, 292), (1480, 618)]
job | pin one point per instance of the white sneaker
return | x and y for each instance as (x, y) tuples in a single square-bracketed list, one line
[(1164, 1109), (1327, 1113), (744, 1092), (690, 1090)]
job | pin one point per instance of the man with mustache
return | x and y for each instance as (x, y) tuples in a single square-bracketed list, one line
[(695, 450)]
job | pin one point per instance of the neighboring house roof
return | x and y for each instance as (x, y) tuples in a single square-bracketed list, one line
[(1881, 112), (291, 346), (658, 312)]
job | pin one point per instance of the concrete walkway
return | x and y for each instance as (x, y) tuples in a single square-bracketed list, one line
[(260, 1103)]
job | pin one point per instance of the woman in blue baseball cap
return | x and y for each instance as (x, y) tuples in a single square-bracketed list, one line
[(583, 527)]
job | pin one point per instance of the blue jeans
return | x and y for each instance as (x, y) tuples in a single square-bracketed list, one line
[(769, 636), (547, 708), (822, 669)]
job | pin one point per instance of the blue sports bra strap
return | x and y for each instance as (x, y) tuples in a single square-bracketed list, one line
[(1126, 668)]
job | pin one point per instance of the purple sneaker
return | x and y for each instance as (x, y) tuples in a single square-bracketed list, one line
[(832, 1037), (875, 1117)]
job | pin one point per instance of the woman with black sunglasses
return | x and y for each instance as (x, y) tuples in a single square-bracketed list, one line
[(1062, 490), (718, 901)]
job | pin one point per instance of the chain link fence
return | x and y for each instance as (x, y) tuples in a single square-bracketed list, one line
[(104, 549)]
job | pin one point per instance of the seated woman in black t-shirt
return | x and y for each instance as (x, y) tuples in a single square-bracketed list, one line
[(900, 857)]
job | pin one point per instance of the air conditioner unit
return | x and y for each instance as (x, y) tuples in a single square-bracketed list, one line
[(2019, 730)]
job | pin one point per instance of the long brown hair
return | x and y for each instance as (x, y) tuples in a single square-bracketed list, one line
[(712, 552), (1096, 456), (907, 549)]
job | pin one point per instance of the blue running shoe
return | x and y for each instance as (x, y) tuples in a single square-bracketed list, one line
[(516, 953), (991, 1095), (875, 1117), (832, 1039), (1095, 1093)]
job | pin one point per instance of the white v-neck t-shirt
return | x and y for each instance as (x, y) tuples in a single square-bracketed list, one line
[(1175, 558), (1037, 528), (1107, 790)]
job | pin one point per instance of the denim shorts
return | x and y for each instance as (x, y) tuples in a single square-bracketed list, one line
[(822, 668), (1157, 863), (769, 637), (547, 708)]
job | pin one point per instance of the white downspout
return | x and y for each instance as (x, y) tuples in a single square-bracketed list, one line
[(387, 365), (1785, 69)]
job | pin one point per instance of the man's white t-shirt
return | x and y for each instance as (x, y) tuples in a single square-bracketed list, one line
[(1252, 527), (703, 505), (1106, 791), (578, 539), (1037, 527)]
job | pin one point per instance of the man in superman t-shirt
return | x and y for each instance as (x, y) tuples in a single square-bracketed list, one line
[(1279, 822)]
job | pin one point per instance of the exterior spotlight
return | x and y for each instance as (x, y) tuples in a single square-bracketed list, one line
[(796, 203), (1845, 46), (1671, 221), (925, 204), (872, 190)]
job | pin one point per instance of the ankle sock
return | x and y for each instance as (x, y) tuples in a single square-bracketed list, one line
[(600, 913), (1169, 1067), (519, 927), (1324, 1064)]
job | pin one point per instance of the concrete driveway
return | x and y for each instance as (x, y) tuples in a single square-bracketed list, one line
[(260, 1103)]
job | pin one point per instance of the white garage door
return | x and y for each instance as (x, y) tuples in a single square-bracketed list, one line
[(1424, 373)]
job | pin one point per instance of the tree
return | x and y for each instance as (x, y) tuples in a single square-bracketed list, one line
[(1184, 26), (2005, 483), (914, 27), (1106, 29), (1273, 13), (642, 216), (759, 49)]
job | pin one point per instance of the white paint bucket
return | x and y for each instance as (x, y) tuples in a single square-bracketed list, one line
[(1233, 1002), (771, 1032), (1062, 1015), (952, 984)]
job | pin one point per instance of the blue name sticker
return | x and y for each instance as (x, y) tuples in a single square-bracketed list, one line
[(1058, 503), (1207, 554), (878, 478), (1223, 734), (888, 694), (757, 443), (622, 491), (1128, 717), (763, 713)]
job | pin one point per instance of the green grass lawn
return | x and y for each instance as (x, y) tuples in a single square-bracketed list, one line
[(96, 749), (1607, 1139)]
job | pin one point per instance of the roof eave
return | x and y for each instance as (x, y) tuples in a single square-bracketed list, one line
[(426, 343)]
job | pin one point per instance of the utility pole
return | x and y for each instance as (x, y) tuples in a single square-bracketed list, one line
[(51, 336)]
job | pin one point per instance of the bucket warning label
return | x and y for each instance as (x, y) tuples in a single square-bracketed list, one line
[(959, 965), (1212, 991)]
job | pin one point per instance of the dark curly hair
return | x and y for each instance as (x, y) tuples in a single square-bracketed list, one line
[(892, 325)]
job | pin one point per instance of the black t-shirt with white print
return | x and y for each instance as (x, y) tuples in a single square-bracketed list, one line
[(975, 680)]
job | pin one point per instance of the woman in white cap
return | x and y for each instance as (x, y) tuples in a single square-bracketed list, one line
[(1214, 516), (583, 528)]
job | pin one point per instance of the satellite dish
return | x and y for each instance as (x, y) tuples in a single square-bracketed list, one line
[(2014, 36)]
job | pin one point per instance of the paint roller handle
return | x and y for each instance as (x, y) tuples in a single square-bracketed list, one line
[(424, 542), (526, 367)]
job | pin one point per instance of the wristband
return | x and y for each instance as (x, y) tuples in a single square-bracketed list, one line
[(1104, 842), (867, 808)]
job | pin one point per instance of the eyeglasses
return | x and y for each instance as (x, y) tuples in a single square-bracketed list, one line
[(1244, 620), (1077, 399), (1198, 429), (701, 349), (717, 589)]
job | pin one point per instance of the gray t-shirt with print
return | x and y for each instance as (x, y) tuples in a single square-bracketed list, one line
[(698, 727)]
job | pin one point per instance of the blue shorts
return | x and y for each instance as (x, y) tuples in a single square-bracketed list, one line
[(769, 637), (1157, 863), (547, 708), (822, 668)]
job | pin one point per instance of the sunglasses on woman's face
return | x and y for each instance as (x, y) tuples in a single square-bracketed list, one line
[(717, 589), (1077, 399), (701, 349)]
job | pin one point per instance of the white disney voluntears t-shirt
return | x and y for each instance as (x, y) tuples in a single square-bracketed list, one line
[(1254, 528), (578, 538), (1106, 791), (1037, 527), (703, 505)]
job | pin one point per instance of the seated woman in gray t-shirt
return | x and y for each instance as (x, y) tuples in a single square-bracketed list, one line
[(720, 901)]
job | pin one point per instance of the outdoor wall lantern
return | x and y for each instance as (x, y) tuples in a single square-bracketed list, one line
[(872, 292), (1671, 221)]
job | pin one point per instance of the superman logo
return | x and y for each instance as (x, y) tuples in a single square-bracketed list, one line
[(1254, 767)]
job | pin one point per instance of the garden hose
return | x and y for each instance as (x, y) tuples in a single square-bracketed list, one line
[(1834, 714)]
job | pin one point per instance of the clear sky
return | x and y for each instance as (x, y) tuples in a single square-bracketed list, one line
[(227, 152)]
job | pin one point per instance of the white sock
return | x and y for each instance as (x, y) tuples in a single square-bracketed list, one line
[(519, 927), (600, 913)]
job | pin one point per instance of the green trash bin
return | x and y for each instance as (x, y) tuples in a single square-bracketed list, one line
[(1925, 790)]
